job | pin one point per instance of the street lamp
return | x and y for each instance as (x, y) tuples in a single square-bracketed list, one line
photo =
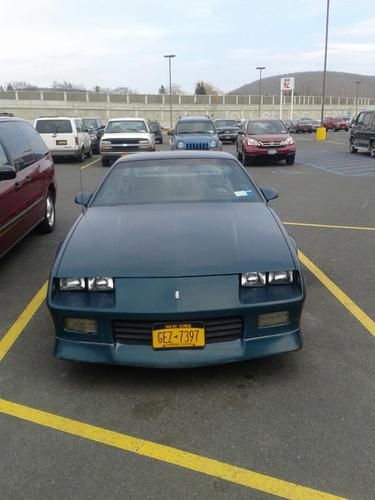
[(261, 68), (325, 66), (356, 99), (170, 57)]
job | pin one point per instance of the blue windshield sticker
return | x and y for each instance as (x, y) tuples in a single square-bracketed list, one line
[(240, 194)]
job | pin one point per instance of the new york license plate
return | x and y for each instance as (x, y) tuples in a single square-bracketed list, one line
[(61, 143), (272, 151), (178, 335)]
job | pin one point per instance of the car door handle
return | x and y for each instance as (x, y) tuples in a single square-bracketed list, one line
[(27, 178), (17, 186)]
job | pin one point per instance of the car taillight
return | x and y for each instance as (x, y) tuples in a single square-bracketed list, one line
[(76, 139)]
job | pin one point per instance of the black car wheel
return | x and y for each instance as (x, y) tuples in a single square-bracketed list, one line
[(352, 149), (239, 154), (48, 223), (372, 150), (89, 153), (246, 160), (105, 162), (81, 155), (290, 160)]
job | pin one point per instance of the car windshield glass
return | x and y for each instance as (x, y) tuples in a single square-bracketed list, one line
[(54, 126), (155, 125), (126, 126), (89, 122), (225, 123), (266, 127), (195, 127), (176, 180)]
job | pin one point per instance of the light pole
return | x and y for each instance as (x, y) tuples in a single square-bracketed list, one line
[(356, 99), (261, 68), (325, 66), (170, 57)]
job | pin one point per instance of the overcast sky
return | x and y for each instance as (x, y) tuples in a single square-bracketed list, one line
[(114, 43)]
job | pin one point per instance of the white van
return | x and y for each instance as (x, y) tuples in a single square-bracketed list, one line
[(65, 136)]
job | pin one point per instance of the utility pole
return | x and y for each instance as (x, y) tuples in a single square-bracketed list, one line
[(260, 68), (170, 57)]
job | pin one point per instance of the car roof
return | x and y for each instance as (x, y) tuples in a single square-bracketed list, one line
[(194, 118), (128, 119), (12, 119), (168, 155), (58, 118)]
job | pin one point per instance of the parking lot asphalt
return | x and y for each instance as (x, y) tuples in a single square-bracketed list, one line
[(305, 418)]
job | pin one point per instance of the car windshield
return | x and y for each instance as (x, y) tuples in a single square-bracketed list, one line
[(195, 127), (155, 125), (262, 127), (225, 123), (54, 126), (126, 126), (89, 122), (176, 180)]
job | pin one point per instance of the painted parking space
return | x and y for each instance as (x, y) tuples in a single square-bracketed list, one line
[(338, 163), (276, 426)]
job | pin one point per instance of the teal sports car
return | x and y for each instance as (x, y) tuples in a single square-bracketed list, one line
[(176, 261)]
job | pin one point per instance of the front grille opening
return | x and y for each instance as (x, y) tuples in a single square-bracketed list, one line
[(139, 332)]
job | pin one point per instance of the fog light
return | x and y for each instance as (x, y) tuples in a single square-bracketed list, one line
[(80, 325), (273, 319)]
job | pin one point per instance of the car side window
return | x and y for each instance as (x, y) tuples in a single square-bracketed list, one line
[(79, 125), (16, 143), (360, 119), (37, 144), (367, 119), (3, 157)]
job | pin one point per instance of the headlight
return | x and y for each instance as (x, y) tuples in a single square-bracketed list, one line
[(100, 284), (252, 142), (105, 144), (288, 141), (93, 137), (280, 278), (72, 284), (253, 279), (144, 141), (272, 278), (213, 143), (180, 145)]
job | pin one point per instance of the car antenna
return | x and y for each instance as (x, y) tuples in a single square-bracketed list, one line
[(81, 187)]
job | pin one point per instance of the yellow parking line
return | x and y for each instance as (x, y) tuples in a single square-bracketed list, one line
[(341, 296), (89, 164), (22, 321), (167, 454), (330, 226)]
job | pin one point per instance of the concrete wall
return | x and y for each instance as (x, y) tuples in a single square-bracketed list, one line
[(32, 104)]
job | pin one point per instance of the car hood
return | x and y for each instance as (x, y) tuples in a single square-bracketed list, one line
[(269, 137), (130, 135), (175, 240)]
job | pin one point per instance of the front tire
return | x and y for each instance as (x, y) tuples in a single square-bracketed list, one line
[(245, 159), (290, 160), (352, 149), (372, 150), (81, 156), (89, 153), (105, 162), (48, 223)]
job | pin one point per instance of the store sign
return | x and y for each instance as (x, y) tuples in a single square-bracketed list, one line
[(287, 84)]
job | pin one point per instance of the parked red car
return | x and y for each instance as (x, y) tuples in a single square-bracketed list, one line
[(335, 124), (265, 139), (27, 183)]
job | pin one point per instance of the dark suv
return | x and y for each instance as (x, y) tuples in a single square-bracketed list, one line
[(27, 183), (362, 133), (96, 127)]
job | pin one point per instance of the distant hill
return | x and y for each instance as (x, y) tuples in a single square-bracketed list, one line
[(310, 83)]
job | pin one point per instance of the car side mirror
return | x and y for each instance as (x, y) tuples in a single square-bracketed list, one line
[(7, 172), (270, 194), (83, 198), (170, 132), (87, 130)]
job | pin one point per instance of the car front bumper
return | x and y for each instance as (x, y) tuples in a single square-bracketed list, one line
[(264, 152), (152, 300)]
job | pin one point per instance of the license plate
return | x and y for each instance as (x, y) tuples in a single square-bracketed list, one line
[(272, 151), (178, 335), (61, 143), (228, 137)]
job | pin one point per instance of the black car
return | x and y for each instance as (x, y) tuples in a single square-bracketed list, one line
[(227, 130), (157, 131), (304, 125), (96, 127), (362, 133)]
